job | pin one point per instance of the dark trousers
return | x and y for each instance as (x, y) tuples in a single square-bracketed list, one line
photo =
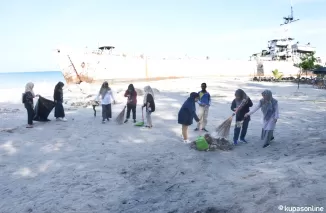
[(30, 113), (133, 109), (242, 129), (106, 111), (59, 111)]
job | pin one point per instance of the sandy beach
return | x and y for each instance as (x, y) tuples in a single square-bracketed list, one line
[(84, 166)]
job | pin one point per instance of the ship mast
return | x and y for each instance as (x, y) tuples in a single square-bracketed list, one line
[(289, 19)]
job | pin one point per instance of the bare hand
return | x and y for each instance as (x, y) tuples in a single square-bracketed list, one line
[(246, 115)]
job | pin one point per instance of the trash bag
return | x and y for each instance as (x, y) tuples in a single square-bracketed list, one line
[(42, 109), (201, 143)]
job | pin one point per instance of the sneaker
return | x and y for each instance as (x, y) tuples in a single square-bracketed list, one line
[(243, 141), (134, 120), (186, 141), (29, 126), (235, 142), (196, 129), (203, 129), (125, 121), (103, 121), (266, 145)]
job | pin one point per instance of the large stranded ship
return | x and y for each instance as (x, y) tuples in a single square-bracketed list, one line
[(105, 63)]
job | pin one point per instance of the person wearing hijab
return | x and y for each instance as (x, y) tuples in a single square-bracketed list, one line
[(242, 123), (131, 94), (106, 100), (204, 103), (187, 113), (28, 102), (149, 104), (59, 112), (269, 108)]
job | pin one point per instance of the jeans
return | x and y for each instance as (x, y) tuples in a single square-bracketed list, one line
[(133, 109), (242, 129), (30, 113)]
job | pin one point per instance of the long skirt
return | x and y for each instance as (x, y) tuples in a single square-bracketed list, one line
[(59, 111), (266, 135)]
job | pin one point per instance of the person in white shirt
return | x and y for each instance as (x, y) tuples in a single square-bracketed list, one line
[(107, 98)]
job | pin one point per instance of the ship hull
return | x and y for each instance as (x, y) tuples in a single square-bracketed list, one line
[(90, 68)]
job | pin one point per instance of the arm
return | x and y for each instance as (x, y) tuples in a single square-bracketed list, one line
[(112, 96), (126, 93), (276, 115), (195, 116), (194, 113), (233, 106), (254, 109), (209, 99)]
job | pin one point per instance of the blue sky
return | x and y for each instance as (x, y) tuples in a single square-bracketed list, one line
[(31, 30)]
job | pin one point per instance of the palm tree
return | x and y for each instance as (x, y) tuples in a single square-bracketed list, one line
[(277, 75)]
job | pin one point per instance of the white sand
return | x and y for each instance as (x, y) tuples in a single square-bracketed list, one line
[(85, 166)]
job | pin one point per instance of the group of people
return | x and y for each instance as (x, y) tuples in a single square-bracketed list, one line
[(241, 108), (107, 98), (28, 101)]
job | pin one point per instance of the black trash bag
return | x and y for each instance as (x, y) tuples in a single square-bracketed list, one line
[(42, 109)]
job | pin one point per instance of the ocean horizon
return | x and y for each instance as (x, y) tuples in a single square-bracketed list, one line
[(10, 80)]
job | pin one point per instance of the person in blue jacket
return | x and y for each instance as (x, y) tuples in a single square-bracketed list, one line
[(187, 113)]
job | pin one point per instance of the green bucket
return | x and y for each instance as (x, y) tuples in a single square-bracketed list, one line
[(201, 143)]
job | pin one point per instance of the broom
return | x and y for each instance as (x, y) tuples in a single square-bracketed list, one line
[(223, 130), (121, 116)]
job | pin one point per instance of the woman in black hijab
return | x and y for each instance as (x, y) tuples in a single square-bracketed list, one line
[(59, 112)]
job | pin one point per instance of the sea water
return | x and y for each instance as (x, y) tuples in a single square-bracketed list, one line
[(12, 85)]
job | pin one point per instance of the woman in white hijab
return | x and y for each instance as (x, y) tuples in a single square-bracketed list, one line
[(149, 104), (28, 102)]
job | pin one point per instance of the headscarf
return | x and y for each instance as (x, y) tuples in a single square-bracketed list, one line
[(243, 97), (29, 88), (131, 90), (194, 95), (104, 89), (148, 90), (58, 89), (59, 86), (267, 104)]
